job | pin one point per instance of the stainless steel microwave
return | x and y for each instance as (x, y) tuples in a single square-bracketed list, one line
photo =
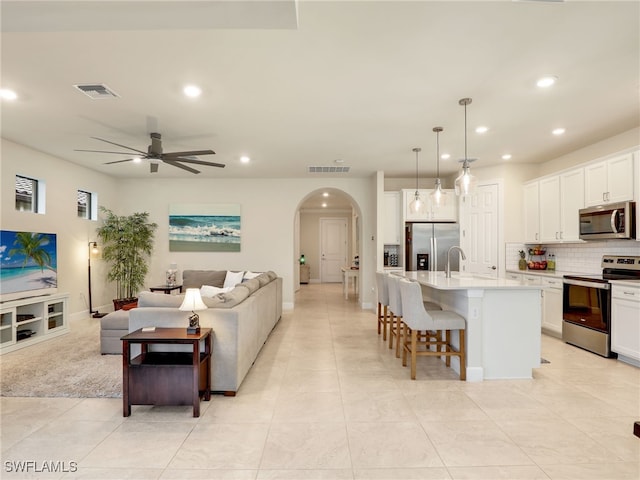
[(614, 221)]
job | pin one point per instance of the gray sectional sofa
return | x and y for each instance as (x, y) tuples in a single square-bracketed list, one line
[(241, 319)]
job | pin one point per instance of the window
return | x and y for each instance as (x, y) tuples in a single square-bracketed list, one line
[(26, 194), (87, 205)]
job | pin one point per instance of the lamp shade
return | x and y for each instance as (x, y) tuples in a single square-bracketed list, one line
[(192, 301)]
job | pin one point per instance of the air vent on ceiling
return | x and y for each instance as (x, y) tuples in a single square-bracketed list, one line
[(96, 91), (329, 169)]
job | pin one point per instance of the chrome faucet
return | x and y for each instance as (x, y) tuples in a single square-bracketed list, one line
[(447, 271)]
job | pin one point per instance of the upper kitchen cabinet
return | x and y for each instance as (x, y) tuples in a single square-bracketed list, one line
[(532, 212), (560, 199), (392, 233), (609, 181), (430, 213)]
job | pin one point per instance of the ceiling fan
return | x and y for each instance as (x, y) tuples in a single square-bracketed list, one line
[(155, 155)]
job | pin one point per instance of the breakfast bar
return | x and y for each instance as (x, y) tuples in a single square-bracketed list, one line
[(503, 321)]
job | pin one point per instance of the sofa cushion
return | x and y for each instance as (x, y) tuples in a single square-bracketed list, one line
[(211, 291), (233, 298), (272, 275), (248, 275), (197, 278), (263, 278), (252, 284), (153, 299), (118, 320), (232, 278)]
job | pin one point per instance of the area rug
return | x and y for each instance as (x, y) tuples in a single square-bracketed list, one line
[(67, 366)]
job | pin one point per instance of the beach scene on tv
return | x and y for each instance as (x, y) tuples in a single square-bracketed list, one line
[(204, 228), (27, 261)]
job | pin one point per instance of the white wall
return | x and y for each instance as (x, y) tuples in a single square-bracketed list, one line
[(62, 180), (268, 217)]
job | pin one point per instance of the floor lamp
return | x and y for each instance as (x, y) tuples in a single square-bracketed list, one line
[(93, 250)]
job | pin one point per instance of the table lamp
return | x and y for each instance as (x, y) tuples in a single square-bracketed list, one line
[(193, 302)]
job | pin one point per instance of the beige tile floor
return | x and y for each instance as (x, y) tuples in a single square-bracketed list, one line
[(326, 399)]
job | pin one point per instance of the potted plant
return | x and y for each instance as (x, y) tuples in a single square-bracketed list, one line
[(127, 242)]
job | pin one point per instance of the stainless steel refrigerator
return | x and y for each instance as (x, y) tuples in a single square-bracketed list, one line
[(427, 245)]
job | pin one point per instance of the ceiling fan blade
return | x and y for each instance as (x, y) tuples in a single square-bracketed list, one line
[(179, 165), (118, 145), (103, 151), (197, 162), (153, 167), (119, 161), (191, 153)]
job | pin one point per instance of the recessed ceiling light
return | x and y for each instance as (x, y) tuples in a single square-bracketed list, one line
[(546, 81), (192, 91), (324, 205), (558, 131), (325, 194), (482, 129), (245, 159), (136, 159), (506, 156), (7, 94), (445, 156)]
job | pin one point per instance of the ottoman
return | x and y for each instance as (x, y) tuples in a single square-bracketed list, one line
[(113, 326)]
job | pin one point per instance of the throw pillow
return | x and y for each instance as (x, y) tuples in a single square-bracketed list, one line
[(232, 279), (211, 291), (249, 275)]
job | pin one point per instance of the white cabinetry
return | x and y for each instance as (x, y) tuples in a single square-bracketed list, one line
[(571, 201), (532, 212), (392, 219), (552, 306), (32, 320), (609, 181), (551, 300), (625, 321), (551, 207), (430, 213)]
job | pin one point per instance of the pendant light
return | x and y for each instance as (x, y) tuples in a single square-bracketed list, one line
[(465, 183), (417, 204), (437, 195)]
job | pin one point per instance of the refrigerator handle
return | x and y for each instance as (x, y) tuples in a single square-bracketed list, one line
[(434, 254)]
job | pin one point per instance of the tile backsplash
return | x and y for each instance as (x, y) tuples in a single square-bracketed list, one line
[(575, 257)]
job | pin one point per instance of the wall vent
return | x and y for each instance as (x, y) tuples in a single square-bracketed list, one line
[(97, 91), (330, 169)]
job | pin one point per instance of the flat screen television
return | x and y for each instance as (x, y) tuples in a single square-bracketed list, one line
[(28, 264)]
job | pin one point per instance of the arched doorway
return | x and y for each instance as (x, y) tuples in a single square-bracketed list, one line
[(320, 213)]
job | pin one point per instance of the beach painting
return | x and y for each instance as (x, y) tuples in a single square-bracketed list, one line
[(28, 262), (204, 228)]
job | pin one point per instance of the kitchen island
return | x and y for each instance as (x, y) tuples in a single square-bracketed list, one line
[(503, 321)]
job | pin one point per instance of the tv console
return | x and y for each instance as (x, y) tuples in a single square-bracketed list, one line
[(28, 321)]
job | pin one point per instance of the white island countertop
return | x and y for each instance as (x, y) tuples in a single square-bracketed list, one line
[(465, 281)]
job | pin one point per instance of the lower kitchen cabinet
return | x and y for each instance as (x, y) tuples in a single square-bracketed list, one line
[(552, 306), (625, 322)]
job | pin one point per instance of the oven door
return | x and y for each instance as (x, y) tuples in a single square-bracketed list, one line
[(587, 304)]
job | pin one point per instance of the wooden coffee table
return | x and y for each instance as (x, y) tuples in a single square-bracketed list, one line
[(155, 377)]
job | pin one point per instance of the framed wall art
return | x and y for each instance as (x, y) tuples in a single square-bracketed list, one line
[(204, 228)]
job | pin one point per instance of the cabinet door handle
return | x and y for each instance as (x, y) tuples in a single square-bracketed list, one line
[(633, 294)]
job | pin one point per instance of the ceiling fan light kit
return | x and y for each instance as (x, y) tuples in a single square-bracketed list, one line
[(466, 182), (156, 156)]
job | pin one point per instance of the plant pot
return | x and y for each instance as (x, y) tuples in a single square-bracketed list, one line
[(125, 303)]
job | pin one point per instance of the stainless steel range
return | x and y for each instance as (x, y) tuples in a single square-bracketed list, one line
[(586, 304)]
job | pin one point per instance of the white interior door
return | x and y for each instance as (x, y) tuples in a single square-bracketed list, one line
[(333, 249), (480, 230)]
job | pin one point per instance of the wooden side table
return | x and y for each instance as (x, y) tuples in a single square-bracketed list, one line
[(166, 288), (166, 378)]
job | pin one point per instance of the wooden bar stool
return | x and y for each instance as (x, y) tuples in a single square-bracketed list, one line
[(417, 319), (396, 307), (383, 304)]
